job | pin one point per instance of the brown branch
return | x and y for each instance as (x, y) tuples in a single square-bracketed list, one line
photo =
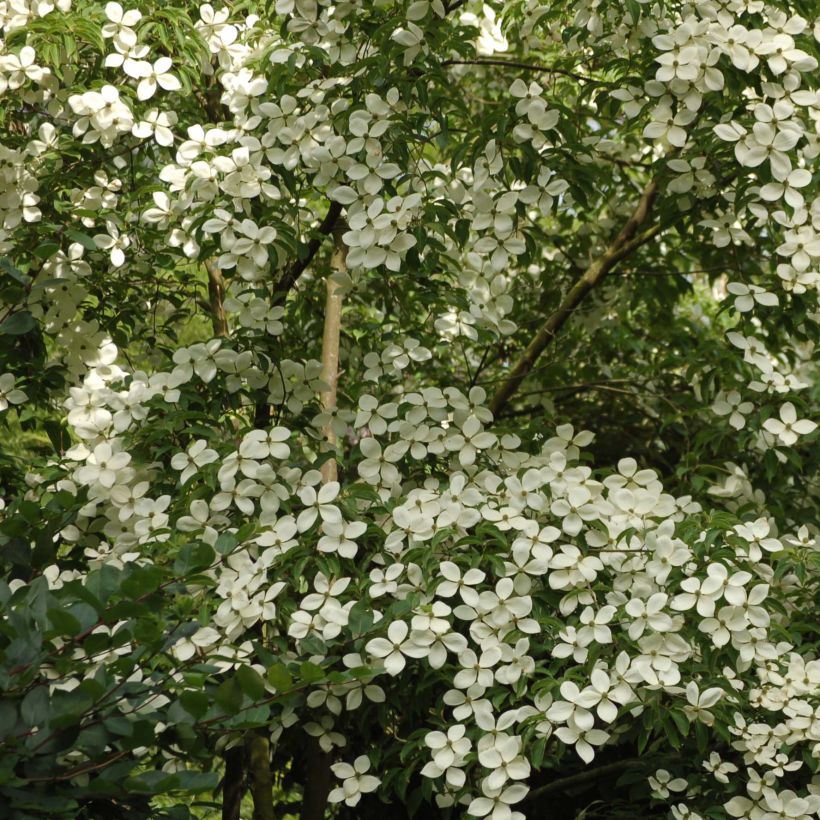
[(216, 298), (543, 69), (330, 345), (85, 768), (627, 241), (297, 268), (317, 766), (581, 779)]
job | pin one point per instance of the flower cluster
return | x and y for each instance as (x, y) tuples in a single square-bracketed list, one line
[(248, 523)]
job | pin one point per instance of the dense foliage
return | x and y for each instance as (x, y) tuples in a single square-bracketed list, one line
[(408, 403)]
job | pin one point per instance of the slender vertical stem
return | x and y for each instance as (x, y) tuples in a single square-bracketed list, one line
[(317, 764), (330, 345)]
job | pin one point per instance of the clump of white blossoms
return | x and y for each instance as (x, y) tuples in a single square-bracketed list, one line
[(304, 514)]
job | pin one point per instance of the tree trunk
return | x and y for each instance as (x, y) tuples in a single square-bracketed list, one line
[(318, 780), (258, 750), (330, 346), (318, 776), (233, 784)]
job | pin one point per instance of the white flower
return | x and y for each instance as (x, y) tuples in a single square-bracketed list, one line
[(374, 415), (355, 781), (261, 444), (719, 768), (699, 703), (102, 466), (378, 466), (151, 76), (185, 648), (120, 25), (447, 749), (663, 783), (340, 537), (649, 613), (394, 647), (114, 242), (318, 505), (748, 295), (732, 404), (496, 803), (9, 394), (788, 428), (454, 581), (157, 124), (788, 188), (669, 126), (21, 67), (198, 455), (584, 740)]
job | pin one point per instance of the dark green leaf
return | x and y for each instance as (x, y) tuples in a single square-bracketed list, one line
[(251, 682), (18, 324)]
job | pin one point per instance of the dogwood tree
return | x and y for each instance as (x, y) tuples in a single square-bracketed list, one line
[(409, 403)]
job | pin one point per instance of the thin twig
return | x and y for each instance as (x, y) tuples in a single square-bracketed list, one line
[(544, 69)]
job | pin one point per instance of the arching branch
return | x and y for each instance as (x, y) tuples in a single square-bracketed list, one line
[(581, 779), (625, 243), (298, 267)]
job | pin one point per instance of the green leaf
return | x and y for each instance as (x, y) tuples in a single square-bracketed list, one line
[(83, 239), (310, 672), (681, 721), (18, 324), (10, 270), (46, 250), (279, 677), (225, 543), (197, 781), (361, 617), (251, 682), (64, 622), (192, 558), (195, 703), (537, 754), (45, 805), (34, 708), (229, 696), (8, 717)]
